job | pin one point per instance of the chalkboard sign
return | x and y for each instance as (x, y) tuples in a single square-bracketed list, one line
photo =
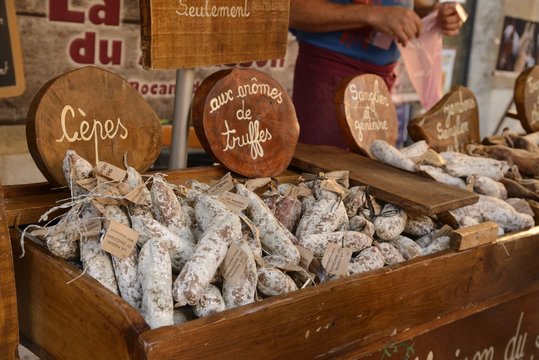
[(191, 33), (11, 65), (451, 124), (527, 98), (365, 112), (245, 120)]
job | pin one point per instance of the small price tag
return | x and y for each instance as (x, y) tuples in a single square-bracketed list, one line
[(138, 195), (110, 171), (100, 207), (92, 227), (119, 240), (336, 259), (234, 202), (111, 193), (342, 177), (234, 264), (225, 184), (254, 184), (306, 257), (333, 186), (88, 184), (297, 191)]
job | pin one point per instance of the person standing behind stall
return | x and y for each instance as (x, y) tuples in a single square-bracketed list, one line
[(340, 38)]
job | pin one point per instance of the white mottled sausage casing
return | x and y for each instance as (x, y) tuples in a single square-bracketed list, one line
[(327, 214), (220, 230), (126, 270), (76, 168), (461, 165), (273, 282), (275, 238), (390, 155), (419, 225), (211, 302), (242, 292), (391, 255), (96, 261), (390, 223), (155, 274), (369, 259), (149, 228), (317, 243), (169, 210), (407, 247)]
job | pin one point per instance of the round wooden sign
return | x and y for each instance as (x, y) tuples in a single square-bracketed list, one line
[(527, 98), (96, 113), (366, 112), (451, 124), (246, 121)]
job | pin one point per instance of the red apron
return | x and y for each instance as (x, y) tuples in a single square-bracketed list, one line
[(317, 75)]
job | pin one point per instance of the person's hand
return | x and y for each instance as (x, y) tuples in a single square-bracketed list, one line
[(448, 19), (396, 21)]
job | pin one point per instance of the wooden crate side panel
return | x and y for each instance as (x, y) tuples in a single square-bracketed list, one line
[(9, 329), (507, 331), (351, 313), (80, 320)]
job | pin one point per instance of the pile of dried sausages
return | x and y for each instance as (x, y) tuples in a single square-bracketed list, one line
[(492, 171), (199, 250)]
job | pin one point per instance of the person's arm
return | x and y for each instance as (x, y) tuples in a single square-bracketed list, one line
[(324, 16)]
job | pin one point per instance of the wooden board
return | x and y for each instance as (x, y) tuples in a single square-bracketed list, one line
[(506, 331), (366, 112), (527, 98), (472, 236), (246, 121), (355, 315), (11, 64), (96, 113), (408, 190), (189, 33), (9, 329), (451, 124)]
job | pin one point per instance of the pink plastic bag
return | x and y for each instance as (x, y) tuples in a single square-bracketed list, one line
[(422, 58)]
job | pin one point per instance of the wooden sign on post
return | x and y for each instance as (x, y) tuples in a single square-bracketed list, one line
[(527, 99), (11, 64), (96, 113), (245, 119), (190, 33), (451, 124), (366, 112)]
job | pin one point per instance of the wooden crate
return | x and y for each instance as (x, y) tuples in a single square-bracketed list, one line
[(346, 318), (9, 329)]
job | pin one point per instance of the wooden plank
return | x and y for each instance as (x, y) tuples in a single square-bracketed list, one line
[(410, 191), (9, 329), (472, 236), (352, 313), (191, 34), (511, 328), (79, 320)]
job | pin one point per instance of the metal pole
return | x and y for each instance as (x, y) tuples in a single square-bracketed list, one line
[(185, 79)]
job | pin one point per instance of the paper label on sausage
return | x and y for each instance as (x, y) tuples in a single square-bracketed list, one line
[(333, 186), (138, 195), (112, 194), (223, 185), (110, 171), (100, 208), (88, 184), (342, 177), (306, 256), (234, 264), (336, 259), (254, 184), (91, 227), (297, 191), (234, 202), (119, 240)]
